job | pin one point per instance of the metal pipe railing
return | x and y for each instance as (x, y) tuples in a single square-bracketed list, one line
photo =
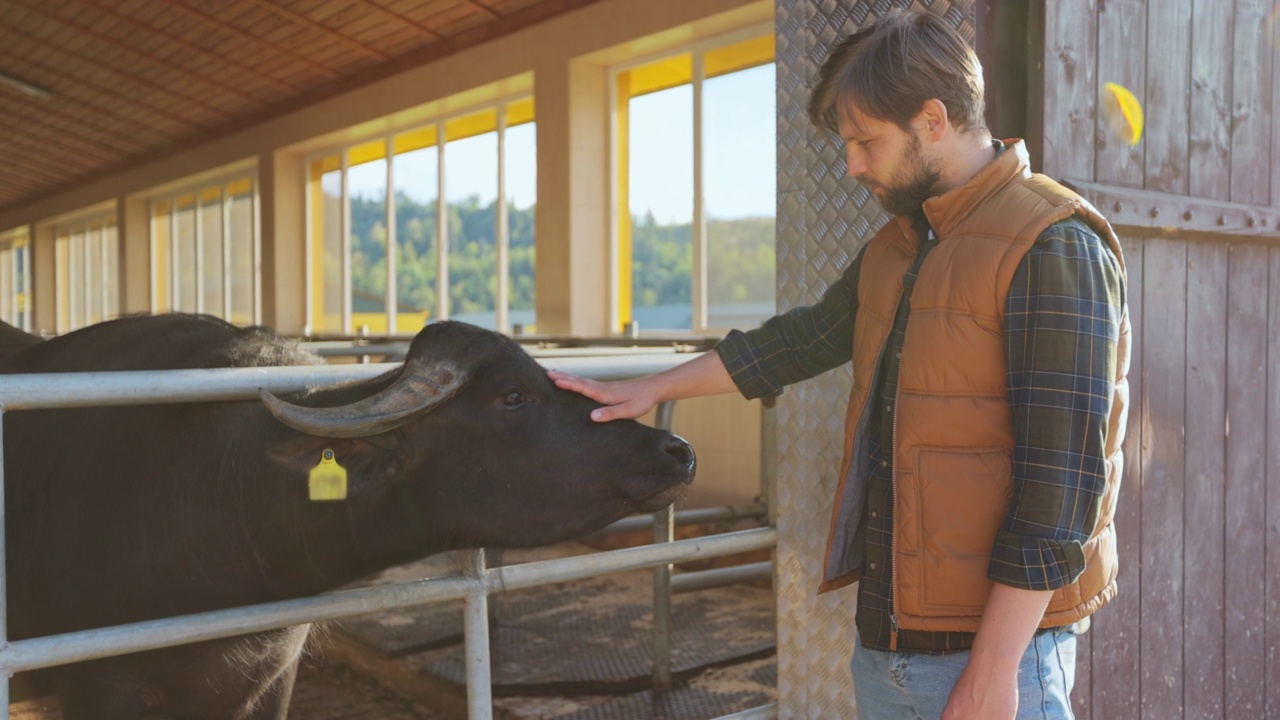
[(68, 390)]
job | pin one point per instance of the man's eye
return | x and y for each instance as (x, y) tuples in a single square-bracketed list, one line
[(513, 398)]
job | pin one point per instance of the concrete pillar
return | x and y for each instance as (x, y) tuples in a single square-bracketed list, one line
[(573, 198), (282, 199)]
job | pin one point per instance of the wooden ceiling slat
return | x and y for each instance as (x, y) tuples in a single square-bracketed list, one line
[(254, 39), (482, 7), (218, 58), (320, 27), (136, 79), (404, 19), (24, 167), (164, 91), (108, 107), (36, 162), (137, 52), (111, 142), (52, 137)]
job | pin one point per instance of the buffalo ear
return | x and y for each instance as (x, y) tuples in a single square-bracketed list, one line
[(365, 459)]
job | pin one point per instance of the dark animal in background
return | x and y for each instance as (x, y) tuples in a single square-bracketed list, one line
[(117, 515)]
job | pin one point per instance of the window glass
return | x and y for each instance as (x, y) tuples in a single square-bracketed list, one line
[(728, 236), (521, 176), (471, 195), (161, 251), (740, 191), (184, 255), (331, 257), (441, 251), (660, 152), (243, 251), (211, 269), (416, 175), (368, 189), (86, 267)]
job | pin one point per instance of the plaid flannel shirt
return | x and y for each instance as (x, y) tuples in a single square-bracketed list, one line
[(1061, 324)]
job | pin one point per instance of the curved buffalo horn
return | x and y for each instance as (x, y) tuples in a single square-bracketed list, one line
[(420, 386)]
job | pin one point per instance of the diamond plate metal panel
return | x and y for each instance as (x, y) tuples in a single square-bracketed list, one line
[(823, 219)]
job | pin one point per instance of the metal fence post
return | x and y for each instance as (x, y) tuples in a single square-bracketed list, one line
[(663, 532), (476, 635)]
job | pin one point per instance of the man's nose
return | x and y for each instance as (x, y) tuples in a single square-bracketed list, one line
[(854, 165)]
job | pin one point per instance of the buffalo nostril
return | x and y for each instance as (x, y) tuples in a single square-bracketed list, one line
[(681, 451)]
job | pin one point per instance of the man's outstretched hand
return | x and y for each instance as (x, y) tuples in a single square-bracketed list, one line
[(622, 399)]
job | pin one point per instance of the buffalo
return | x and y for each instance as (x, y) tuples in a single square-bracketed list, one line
[(123, 514)]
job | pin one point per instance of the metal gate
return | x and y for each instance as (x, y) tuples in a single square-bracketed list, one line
[(75, 390)]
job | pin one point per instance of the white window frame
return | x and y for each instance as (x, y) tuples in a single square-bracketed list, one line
[(698, 227), (79, 265), (502, 310), (194, 189)]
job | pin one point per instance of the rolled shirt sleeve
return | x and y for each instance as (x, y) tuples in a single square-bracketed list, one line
[(1062, 324), (796, 345)]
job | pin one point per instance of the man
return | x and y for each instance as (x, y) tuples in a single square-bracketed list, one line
[(987, 328)]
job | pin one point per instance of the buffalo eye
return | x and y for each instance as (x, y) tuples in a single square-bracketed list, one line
[(513, 398)]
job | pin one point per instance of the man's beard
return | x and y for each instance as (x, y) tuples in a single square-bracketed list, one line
[(917, 181)]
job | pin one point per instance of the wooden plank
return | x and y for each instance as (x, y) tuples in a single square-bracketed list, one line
[(1210, 126), (1272, 608), (1117, 661), (1163, 477), (1167, 106), (1122, 48), (1246, 472), (1070, 51), (1203, 537), (1251, 105)]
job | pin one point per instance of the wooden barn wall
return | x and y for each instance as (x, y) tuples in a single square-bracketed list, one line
[(1205, 73), (1195, 629)]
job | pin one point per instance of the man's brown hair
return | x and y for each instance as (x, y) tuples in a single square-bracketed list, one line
[(889, 69)]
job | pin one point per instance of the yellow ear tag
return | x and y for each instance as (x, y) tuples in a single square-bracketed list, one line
[(328, 480)]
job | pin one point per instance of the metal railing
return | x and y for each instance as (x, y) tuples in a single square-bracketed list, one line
[(69, 390)]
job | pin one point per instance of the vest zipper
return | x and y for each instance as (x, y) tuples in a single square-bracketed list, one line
[(893, 565), (893, 534)]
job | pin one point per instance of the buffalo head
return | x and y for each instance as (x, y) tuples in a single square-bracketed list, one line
[(473, 433)]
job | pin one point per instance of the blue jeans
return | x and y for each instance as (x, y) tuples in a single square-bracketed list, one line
[(913, 686)]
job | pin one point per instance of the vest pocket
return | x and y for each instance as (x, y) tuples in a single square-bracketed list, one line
[(962, 502)]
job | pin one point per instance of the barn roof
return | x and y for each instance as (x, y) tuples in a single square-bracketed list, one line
[(91, 87)]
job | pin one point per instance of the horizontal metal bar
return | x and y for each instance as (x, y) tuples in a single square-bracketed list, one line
[(721, 513), (764, 712), (1129, 207), (53, 650), (67, 390), (719, 577)]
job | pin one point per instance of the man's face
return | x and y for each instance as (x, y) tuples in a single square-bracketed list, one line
[(890, 161)]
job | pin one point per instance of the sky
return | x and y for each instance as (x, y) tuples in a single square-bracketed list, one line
[(739, 151)]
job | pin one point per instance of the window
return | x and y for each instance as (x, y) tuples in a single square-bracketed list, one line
[(695, 156), (406, 229), (87, 271), (15, 278), (205, 246)]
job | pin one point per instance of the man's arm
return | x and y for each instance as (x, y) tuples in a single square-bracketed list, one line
[(988, 687), (1062, 322), (787, 348)]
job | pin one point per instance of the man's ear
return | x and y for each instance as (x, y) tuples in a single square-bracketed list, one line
[(933, 120), (365, 459)]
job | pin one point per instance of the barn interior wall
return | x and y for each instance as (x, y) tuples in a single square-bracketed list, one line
[(566, 61)]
